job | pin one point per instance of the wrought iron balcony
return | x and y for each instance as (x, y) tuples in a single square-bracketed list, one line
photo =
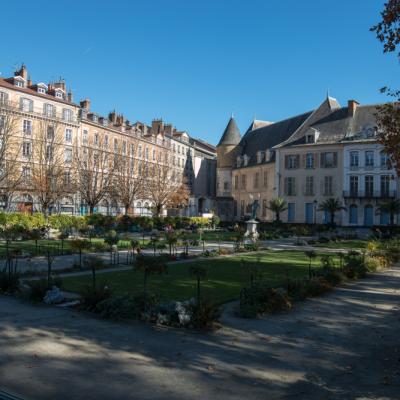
[(369, 194)]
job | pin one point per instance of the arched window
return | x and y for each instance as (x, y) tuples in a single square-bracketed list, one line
[(353, 214)]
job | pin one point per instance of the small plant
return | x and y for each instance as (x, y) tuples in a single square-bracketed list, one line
[(354, 265), (93, 263), (91, 297), (311, 254), (80, 245), (203, 315)]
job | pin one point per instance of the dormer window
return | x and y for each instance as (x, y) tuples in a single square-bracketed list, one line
[(95, 118), (245, 160), (59, 94), (310, 139), (260, 156), (238, 161), (41, 90), (19, 81)]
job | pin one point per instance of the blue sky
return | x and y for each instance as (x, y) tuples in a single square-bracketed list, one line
[(194, 63)]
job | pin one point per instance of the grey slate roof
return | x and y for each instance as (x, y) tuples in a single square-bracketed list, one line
[(269, 136), (231, 135)]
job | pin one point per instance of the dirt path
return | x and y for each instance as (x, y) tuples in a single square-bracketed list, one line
[(344, 346)]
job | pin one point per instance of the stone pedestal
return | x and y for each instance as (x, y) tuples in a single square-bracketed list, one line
[(251, 231)]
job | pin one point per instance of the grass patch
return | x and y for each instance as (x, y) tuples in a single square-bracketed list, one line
[(224, 281), (345, 244)]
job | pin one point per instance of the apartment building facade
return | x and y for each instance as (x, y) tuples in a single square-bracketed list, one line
[(329, 152), (31, 105)]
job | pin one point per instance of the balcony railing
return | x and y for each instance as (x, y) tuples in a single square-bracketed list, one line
[(367, 194)]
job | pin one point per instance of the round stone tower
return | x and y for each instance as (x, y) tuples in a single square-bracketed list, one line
[(227, 150)]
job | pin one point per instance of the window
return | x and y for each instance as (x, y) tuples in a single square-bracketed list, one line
[(265, 179), (309, 186), (18, 83), (369, 158), (354, 186), (243, 181), (49, 152), (68, 155), (154, 155), (369, 185), (140, 151), (27, 126), (309, 160), (310, 139), (290, 186), (59, 94), (385, 160), (105, 141), (49, 110), (2, 121), (385, 185), (329, 160), (256, 180), (236, 181), (26, 105), (26, 149), (67, 178), (96, 139), (226, 185), (68, 135), (328, 186), (67, 114), (132, 149), (85, 136), (291, 212), (179, 149), (147, 153), (242, 208), (41, 90), (3, 97), (264, 208), (26, 172), (353, 159), (50, 133), (292, 161)]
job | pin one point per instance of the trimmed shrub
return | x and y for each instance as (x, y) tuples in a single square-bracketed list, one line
[(117, 308), (354, 266), (202, 315), (317, 286), (260, 298), (91, 297)]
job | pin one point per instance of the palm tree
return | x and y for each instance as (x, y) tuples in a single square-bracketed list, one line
[(278, 206), (392, 207), (331, 206)]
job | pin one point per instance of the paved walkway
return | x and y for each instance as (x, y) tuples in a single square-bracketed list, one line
[(344, 345)]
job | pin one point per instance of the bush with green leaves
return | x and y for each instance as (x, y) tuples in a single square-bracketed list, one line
[(117, 308), (37, 288), (252, 246), (354, 265), (91, 297), (203, 315), (260, 298), (317, 286)]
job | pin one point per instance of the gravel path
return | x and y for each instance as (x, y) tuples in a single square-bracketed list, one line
[(344, 345)]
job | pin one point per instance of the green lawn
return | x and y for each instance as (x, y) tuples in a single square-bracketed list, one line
[(345, 244), (29, 246), (225, 276)]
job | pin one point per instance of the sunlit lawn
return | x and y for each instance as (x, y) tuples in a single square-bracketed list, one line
[(226, 276)]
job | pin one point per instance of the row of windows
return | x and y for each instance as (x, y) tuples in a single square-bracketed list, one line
[(27, 152), (256, 181), (369, 159), (27, 129), (309, 189), (310, 160), (369, 185)]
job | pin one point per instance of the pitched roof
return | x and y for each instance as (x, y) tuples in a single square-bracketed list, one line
[(231, 135), (269, 136)]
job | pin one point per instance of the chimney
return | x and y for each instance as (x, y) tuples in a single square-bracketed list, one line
[(29, 83), (112, 116), (70, 97), (168, 129), (351, 107), (23, 72), (157, 126), (85, 104)]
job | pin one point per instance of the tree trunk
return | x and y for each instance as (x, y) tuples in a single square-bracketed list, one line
[(91, 209), (278, 217), (332, 218)]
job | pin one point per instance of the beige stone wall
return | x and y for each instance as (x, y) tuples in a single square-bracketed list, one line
[(325, 181), (248, 186)]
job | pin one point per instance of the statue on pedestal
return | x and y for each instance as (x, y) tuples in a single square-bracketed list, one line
[(254, 208)]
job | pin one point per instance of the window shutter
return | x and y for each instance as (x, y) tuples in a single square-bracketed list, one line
[(335, 159), (322, 160), (315, 155), (303, 160), (21, 103), (285, 189), (286, 161), (297, 161), (31, 105), (294, 187), (322, 187)]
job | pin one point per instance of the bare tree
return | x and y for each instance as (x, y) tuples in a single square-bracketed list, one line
[(10, 169), (47, 164), (127, 184), (164, 185), (94, 168)]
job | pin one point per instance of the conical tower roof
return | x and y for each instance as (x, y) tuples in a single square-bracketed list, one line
[(231, 135)]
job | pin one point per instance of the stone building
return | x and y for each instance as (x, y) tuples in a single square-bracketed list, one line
[(30, 105)]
